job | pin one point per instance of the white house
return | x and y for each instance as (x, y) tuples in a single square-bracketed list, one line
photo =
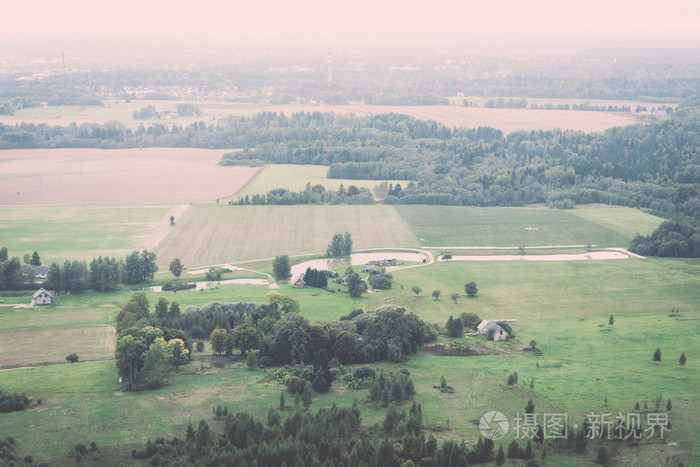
[(488, 328), (42, 297)]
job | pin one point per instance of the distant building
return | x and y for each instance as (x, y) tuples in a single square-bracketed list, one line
[(299, 283), (42, 297), (491, 329), (371, 268), (40, 272)]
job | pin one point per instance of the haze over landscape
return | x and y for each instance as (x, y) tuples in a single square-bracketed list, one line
[(502, 26)]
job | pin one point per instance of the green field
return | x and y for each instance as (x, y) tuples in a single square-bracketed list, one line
[(295, 177), (212, 234), (80, 232), (448, 226), (564, 306)]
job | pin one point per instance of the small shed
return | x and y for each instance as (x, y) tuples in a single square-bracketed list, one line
[(299, 283), (42, 297)]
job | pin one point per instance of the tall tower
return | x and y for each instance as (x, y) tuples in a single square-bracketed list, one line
[(329, 65)]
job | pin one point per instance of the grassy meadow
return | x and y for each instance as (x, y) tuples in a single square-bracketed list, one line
[(295, 177), (447, 226), (80, 232), (564, 306)]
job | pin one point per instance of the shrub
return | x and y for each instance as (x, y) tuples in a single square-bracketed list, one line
[(200, 346), (72, 357)]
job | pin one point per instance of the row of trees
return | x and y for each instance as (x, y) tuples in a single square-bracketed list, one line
[(310, 195)]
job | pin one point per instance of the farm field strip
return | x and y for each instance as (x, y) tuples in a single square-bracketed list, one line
[(528, 226), (294, 177), (114, 176), (507, 120), (212, 234)]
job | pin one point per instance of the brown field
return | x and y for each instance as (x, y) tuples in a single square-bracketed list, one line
[(455, 115), (117, 176)]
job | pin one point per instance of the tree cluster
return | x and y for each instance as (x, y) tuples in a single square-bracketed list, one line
[(670, 239), (145, 351), (315, 278), (341, 245), (331, 436)]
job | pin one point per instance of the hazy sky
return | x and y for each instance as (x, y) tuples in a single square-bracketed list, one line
[(499, 24)]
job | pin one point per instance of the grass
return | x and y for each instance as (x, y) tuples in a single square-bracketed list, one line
[(212, 234), (532, 226), (295, 177), (79, 232), (625, 221), (564, 306)]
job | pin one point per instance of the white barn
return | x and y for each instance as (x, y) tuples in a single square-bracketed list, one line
[(42, 297), (488, 328)]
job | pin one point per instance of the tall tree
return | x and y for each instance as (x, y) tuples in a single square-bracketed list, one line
[(3, 254), (176, 267), (36, 261), (281, 268), (470, 289)]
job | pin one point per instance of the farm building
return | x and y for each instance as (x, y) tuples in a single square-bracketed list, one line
[(42, 297), (491, 329), (40, 272), (371, 268), (299, 283)]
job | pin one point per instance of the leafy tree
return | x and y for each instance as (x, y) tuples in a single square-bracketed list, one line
[(72, 357), (345, 347), (470, 320), (291, 339), (281, 268), (161, 308), (533, 344), (218, 340), (176, 267), (347, 244), (156, 365), (246, 337), (454, 297), (436, 294), (306, 395), (455, 327), (416, 290), (213, 274), (281, 304), (682, 360), (470, 289), (611, 321), (35, 261), (27, 259), (128, 354), (252, 361), (657, 355), (356, 286), (174, 311), (281, 401)]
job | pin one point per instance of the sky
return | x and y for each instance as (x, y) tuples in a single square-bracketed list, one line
[(484, 25)]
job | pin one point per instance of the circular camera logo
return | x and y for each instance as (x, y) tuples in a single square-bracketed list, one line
[(493, 425)]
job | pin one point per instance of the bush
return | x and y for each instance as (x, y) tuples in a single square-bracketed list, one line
[(72, 357), (177, 285), (200, 346)]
